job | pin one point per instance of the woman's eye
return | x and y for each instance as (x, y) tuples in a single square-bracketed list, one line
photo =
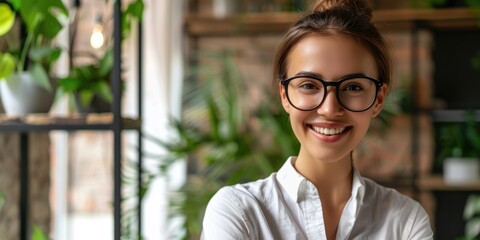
[(353, 88), (308, 86)]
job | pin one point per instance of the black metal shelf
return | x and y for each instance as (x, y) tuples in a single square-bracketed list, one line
[(114, 123)]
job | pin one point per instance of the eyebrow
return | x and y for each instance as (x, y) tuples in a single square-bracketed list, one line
[(317, 75)]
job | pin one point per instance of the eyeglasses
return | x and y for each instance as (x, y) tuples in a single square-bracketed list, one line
[(356, 93)]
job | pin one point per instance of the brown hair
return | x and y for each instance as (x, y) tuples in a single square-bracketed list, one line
[(349, 17)]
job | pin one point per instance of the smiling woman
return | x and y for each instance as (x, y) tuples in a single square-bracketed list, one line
[(332, 71)]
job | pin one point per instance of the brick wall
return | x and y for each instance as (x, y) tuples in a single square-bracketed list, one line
[(39, 204)]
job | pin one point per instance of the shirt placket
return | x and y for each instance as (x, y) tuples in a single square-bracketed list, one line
[(313, 213)]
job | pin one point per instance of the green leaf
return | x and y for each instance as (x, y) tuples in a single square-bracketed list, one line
[(37, 53), (68, 84), (472, 207), (38, 233), (136, 9), (106, 64), (133, 11), (86, 97), (7, 65), (49, 5), (41, 17), (85, 75), (472, 228), (7, 18), (473, 3), (40, 76), (31, 15), (49, 27), (214, 119), (15, 4), (54, 55), (2, 199), (476, 62), (104, 91)]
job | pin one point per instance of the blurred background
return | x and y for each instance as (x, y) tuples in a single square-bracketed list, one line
[(188, 106)]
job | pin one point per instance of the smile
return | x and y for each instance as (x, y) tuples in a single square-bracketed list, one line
[(328, 131)]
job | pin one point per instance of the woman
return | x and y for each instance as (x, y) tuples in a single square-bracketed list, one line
[(333, 72)]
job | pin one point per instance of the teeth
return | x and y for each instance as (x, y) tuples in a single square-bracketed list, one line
[(328, 131)]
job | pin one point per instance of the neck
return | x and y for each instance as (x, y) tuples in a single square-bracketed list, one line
[(331, 178)]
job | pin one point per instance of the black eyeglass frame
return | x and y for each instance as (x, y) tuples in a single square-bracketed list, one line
[(335, 84)]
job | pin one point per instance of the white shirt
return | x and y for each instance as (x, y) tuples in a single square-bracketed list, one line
[(285, 205)]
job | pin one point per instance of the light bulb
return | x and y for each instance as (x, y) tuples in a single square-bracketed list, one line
[(97, 38)]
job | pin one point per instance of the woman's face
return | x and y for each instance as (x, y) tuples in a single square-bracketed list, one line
[(330, 132)]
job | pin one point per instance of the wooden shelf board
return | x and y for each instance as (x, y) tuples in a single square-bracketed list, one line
[(46, 122), (436, 183), (457, 115), (277, 22)]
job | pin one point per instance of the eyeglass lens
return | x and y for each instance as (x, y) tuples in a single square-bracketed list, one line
[(355, 94)]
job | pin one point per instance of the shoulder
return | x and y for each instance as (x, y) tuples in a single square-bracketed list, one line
[(397, 211), (387, 199), (241, 194), (375, 192), (231, 212)]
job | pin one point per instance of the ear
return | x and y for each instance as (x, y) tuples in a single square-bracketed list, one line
[(283, 97), (380, 102)]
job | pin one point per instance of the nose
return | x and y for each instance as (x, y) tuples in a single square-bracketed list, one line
[(330, 106)]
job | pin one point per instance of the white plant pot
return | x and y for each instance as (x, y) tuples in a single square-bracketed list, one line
[(20, 95), (461, 171)]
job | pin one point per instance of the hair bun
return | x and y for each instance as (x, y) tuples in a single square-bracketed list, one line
[(359, 6)]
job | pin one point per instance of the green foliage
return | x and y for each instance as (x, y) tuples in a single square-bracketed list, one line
[(427, 4), (38, 233), (2, 199), (133, 11), (225, 143), (471, 214), (130, 199), (88, 80), (42, 22), (460, 139), (476, 61), (473, 3), (7, 18), (7, 65)]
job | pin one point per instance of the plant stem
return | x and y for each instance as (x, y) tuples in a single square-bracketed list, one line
[(24, 52)]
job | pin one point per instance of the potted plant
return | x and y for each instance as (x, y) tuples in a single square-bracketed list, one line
[(25, 72), (460, 150), (88, 85), (471, 214)]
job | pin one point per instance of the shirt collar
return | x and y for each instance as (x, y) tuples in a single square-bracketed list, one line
[(290, 180), (358, 187)]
